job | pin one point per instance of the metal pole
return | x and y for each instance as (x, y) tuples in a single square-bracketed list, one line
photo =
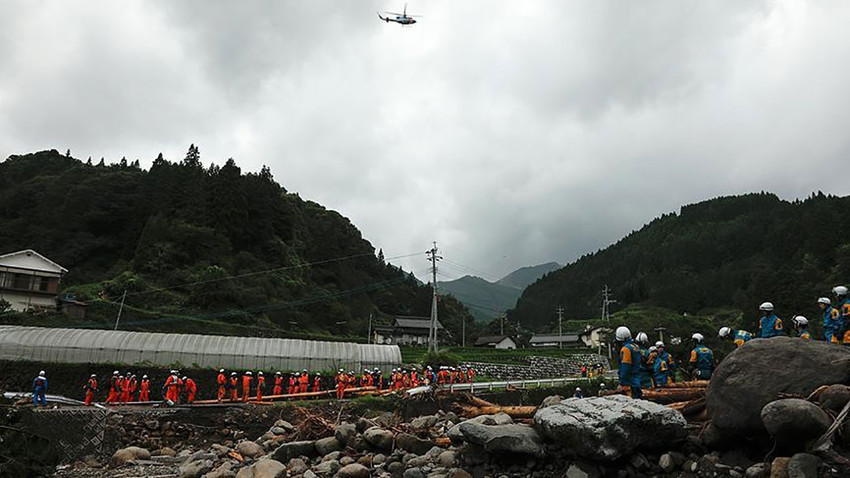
[(120, 309), (463, 332), (369, 333), (560, 311)]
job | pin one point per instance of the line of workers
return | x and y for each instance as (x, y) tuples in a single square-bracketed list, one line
[(646, 368), (123, 388)]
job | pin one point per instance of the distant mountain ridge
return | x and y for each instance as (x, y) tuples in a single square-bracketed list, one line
[(487, 300)]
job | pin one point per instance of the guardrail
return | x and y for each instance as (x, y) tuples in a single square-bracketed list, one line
[(489, 386)]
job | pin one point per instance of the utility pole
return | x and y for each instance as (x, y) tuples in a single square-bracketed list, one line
[(463, 332), (369, 333), (502, 325), (560, 311), (432, 332), (606, 303), (120, 309)]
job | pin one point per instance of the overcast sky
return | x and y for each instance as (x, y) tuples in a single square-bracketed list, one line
[(512, 133)]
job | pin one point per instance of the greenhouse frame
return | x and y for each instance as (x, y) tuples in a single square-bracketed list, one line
[(54, 345)]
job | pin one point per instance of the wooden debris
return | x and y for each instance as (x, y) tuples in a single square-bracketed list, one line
[(690, 384), (665, 395), (442, 442), (236, 456), (513, 411)]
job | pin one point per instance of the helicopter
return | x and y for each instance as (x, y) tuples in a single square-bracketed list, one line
[(400, 18)]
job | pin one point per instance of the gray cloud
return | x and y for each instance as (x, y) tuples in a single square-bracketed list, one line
[(513, 133)]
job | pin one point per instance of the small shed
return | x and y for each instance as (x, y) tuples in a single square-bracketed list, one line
[(496, 342)]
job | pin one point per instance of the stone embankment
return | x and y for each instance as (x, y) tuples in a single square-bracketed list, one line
[(539, 367)]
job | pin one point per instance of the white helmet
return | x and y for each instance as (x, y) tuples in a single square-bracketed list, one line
[(41, 374), (839, 290), (144, 377), (115, 372), (697, 337), (248, 373), (724, 332), (221, 370), (623, 333), (659, 344), (766, 306), (578, 389), (93, 375), (824, 300), (642, 338), (653, 348), (799, 320), (260, 373)]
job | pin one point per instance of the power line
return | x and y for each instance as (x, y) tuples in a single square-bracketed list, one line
[(432, 332)]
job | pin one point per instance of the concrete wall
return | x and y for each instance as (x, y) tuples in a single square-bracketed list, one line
[(538, 367)]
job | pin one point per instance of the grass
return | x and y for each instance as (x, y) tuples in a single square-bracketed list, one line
[(488, 355)]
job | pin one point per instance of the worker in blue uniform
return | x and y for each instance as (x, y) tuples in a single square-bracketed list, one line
[(769, 325), (629, 372), (842, 303), (832, 323), (659, 365), (39, 388), (738, 337), (702, 359), (642, 340), (801, 325)]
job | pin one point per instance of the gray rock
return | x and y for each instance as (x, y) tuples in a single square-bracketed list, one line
[(739, 388), (297, 466), (346, 460), (195, 469), (334, 455), (395, 467), (803, 465), (345, 433), (378, 459), (424, 422), (504, 438), (835, 397), (793, 421), (199, 455), (245, 472), (413, 473), (363, 424), (606, 428), (219, 450), (225, 470), (639, 461), (458, 473), (582, 470), (413, 444), (551, 400), (294, 449), (666, 463), (759, 470), (384, 420), (417, 462), (285, 425), (250, 449), (309, 474), (447, 459), (278, 431), (165, 451), (379, 438), (328, 445), (353, 470), (451, 417), (779, 467), (122, 456), (268, 469), (456, 436), (327, 468)]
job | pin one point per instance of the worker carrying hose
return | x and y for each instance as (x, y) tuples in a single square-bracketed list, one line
[(832, 322), (91, 387), (801, 325), (191, 389), (221, 381), (629, 372), (247, 378), (702, 359), (738, 337), (144, 389), (769, 325), (278, 384)]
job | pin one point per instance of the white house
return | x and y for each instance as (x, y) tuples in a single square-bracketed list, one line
[(496, 342), (29, 280), (406, 331)]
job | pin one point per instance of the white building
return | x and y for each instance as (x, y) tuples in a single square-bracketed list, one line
[(496, 342), (29, 280)]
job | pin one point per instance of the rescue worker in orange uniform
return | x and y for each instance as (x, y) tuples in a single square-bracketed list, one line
[(113, 388), (221, 381), (191, 389), (470, 373), (341, 380), (123, 389), (278, 384), (172, 387), (91, 387), (144, 389), (293, 383), (234, 386), (414, 378), (317, 382), (134, 385), (261, 386), (303, 381), (246, 385), (364, 378)]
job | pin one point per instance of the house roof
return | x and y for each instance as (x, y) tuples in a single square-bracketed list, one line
[(547, 338), (491, 339), (30, 260), (415, 323)]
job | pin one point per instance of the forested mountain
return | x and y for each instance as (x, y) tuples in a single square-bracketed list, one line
[(202, 249), (728, 252), (525, 276), (487, 300)]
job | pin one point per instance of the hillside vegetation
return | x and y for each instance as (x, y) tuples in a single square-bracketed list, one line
[(201, 249), (729, 252)]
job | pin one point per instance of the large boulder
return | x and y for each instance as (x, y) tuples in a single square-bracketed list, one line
[(379, 438), (127, 454), (607, 428), (294, 449), (834, 397), (268, 469), (793, 421), (504, 438), (756, 373), (413, 444), (250, 449)]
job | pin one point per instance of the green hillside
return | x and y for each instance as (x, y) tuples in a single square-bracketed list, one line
[(525, 276), (729, 252), (484, 299), (201, 249)]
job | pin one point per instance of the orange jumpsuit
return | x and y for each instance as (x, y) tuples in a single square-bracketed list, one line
[(172, 389), (278, 385), (234, 388), (303, 381), (144, 390), (364, 380), (414, 379), (293, 385), (261, 384), (340, 386), (113, 390), (134, 385), (317, 383), (246, 387), (191, 390), (124, 390), (221, 380), (470, 374), (91, 387)]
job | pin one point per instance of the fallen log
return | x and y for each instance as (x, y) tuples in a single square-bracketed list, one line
[(664, 395), (320, 393), (513, 411), (690, 384)]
